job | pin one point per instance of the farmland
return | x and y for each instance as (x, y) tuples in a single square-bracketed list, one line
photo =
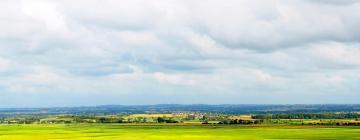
[(184, 124), (172, 132)]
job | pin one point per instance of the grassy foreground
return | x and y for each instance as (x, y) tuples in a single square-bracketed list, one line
[(171, 132)]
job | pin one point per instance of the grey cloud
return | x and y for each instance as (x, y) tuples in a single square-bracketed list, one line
[(273, 25), (230, 48)]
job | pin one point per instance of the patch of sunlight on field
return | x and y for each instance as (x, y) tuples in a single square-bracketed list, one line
[(171, 132), (243, 117)]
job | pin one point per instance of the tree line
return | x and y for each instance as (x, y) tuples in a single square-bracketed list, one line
[(308, 116)]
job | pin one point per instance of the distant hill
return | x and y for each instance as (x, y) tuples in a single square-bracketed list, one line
[(176, 108)]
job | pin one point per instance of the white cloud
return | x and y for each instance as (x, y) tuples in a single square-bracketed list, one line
[(176, 79), (206, 45), (45, 12), (262, 76), (234, 48), (42, 74), (138, 38), (347, 54)]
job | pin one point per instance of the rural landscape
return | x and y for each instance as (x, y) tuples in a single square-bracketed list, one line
[(179, 70), (218, 122)]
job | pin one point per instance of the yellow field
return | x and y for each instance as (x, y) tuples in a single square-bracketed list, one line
[(173, 132)]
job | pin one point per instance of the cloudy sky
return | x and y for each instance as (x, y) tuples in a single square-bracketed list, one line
[(96, 52)]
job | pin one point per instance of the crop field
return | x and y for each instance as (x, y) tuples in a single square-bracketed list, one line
[(172, 132)]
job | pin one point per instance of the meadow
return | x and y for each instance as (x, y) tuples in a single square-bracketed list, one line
[(173, 132)]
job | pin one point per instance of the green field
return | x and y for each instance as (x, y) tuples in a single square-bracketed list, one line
[(171, 132)]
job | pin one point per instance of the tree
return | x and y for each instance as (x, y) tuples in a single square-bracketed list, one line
[(160, 120)]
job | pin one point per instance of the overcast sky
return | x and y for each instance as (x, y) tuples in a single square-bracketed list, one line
[(98, 52)]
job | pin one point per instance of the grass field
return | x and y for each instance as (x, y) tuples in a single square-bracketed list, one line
[(171, 132)]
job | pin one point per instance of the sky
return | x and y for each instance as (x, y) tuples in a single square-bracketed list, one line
[(136, 52)]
